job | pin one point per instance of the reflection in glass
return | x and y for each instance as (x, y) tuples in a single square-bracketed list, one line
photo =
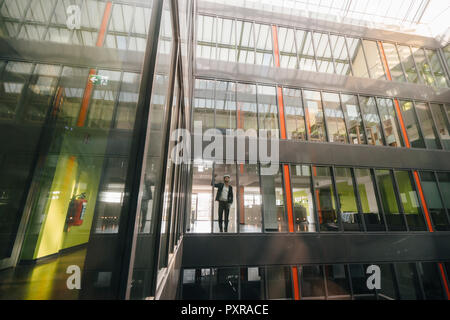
[(356, 52), (264, 53), (369, 204), (352, 115), (388, 289), (408, 64), (434, 202), (358, 279), (394, 218), (226, 40), (427, 125), (314, 116), (393, 62), (376, 68), (294, 113), (390, 125), (203, 114), (225, 284), (337, 280), (250, 200), (225, 105), (219, 171), (245, 42), (410, 200), (312, 281), (340, 54), (286, 44), (323, 53), (246, 107), (412, 127), (372, 121), (206, 37), (423, 66), (279, 283), (268, 110), (305, 50), (351, 219), (252, 283), (444, 184), (198, 220), (337, 131), (431, 280), (326, 203), (437, 68), (196, 284), (303, 202), (442, 125)]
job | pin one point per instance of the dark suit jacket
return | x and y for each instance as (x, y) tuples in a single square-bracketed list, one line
[(219, 187)]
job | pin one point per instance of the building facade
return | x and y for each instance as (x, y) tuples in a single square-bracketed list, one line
[(97, 202)]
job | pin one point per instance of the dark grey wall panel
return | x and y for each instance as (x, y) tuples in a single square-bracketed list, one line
[(290, 249)]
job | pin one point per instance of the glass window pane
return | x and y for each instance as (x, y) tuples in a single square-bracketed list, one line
[(369, 204), (279, 283), (337, 280), (434, 201), (441, 123), (408, 63), (428, 129), (225, 105), (358, 278), (351, 219), (393, 62), (323, 53), (294, 113), (408, 283), (196, 284), (431, 280), (302, 198), (226, 40), (312, 282), (203, 115), (357, 58), (273, 193), (264, 53), (392, 213), (340, 55), (314, 116), (228, 218), (388, 289), (444, 184), (246, 108), (372, 121), (250, 200), (337, 131), (410, 201), (412, 128), (305, 50), (268, 110), (390, 125), (199, 218), (252, 283), (326, 203), (245, 42), (286, 45), (373, 60), (225, 284), (353, 116), (437, 68), (423, 66), (206, 37), (129, 95)]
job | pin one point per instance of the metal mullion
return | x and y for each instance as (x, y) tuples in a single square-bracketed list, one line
[(263, 226), (378, 197), (212, 197), (381, 121), (441, 196), (435, 129), (22, 20), (296, 48), (332, 52), (401, 62), (235, 41), (130, 31), (363, 122), (49, 20), (446, 67), (254, 43), (369, 73), (325, 282), (419, 125), (349, 274), (324, 117), (270, 33), (19, 109), (397, 196), (313, 47), (345, 118), (416, 189), (419, 278), (336, 198), (358, 199), (394, 271), (117, 101), (315, 200), (348, 56), (421, 80), (377, 43)]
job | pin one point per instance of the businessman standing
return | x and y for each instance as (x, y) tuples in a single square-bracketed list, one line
[(225, 198)]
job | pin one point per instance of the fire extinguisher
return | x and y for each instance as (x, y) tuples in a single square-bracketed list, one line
[(76, 211)]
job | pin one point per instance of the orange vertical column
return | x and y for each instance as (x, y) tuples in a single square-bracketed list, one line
[(287, 179), (415, 173)]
